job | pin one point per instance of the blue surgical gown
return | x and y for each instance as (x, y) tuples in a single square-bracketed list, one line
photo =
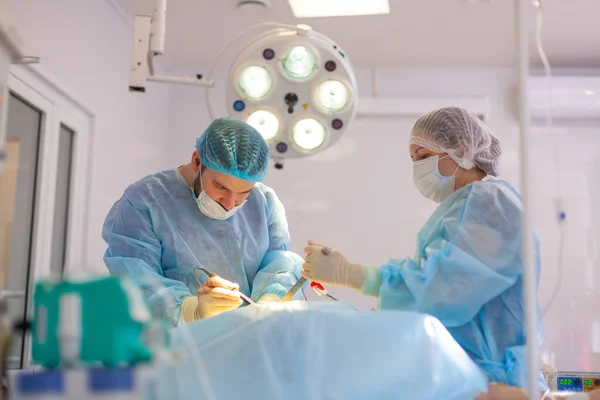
[(156, 235), (468, 272)]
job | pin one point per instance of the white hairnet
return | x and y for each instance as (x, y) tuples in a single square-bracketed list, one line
[(461, 135)]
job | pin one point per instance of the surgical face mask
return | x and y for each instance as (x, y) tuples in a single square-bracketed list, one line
[(430, 182), (213, 209)]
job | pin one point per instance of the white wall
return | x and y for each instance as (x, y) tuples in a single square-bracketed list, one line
[(359, 197), (87, 46)]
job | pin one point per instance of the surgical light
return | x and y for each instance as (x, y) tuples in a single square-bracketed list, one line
[(265, 122), (332, 96), (294, 85), (313, 94), (254, 82), (299, 62), (308, 134)]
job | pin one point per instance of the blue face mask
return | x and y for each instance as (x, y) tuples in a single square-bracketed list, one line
[(213, 209), (430, 182)]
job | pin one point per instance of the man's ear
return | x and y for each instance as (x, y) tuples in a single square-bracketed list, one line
[(196, 159)]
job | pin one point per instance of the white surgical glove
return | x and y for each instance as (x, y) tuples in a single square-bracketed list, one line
[(332, 268), (215, 296), (269, 298)]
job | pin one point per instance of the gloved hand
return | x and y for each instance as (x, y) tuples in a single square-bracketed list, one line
[(215, 296), (269, 298), (332, 268)]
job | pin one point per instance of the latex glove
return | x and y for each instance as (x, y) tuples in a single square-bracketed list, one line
[(269, 298), (333, 268), (216, 296)]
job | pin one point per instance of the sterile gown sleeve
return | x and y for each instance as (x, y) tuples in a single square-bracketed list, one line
[(135, 251), (277, 258), (468, 253)]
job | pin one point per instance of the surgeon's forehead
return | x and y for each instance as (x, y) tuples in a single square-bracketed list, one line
[(231, 183)]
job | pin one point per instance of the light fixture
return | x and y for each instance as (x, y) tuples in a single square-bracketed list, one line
[(312, 92), (332, 96), (299, 62), (254, 82), (589, 93), (338, 8), (308, 134), (265, 122), (252, 4), (295, 86)]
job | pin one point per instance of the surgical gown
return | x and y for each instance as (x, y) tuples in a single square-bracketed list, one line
[(156, 235), (468, 272)]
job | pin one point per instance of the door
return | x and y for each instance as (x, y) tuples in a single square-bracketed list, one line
[(43, 192), (18, 199), (17, 208)]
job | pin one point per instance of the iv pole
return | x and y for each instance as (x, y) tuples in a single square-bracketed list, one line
[(530, 273)]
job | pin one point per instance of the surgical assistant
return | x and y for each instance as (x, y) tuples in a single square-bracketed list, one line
[(213, 213), (468, 267)]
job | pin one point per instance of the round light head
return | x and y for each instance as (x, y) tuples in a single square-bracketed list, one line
[(296, 87), (308, 134), (332, 96), (255, 82), (265, 122), (299, 62)]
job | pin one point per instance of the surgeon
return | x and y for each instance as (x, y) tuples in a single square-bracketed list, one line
[(212, 213), (468, 267)]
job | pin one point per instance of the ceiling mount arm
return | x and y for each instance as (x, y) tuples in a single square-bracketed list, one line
[(148, 42)]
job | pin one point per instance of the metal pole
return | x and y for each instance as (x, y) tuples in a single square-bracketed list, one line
[(530, 273)]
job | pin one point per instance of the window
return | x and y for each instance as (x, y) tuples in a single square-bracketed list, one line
[(61, 204)]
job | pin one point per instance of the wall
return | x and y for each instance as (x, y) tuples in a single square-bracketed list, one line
[(358, 196), (87, 46)]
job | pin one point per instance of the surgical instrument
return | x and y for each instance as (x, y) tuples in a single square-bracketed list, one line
[(321, 291), (292, 292), (212, 274)]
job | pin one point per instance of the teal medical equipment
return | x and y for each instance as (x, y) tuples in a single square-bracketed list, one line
[(103, 320)]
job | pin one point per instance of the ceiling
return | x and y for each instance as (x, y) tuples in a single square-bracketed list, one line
[(417, 33)]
